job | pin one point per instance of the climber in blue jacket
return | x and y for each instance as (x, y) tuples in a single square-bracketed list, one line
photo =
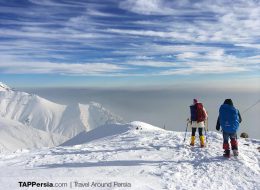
[(229, 119)]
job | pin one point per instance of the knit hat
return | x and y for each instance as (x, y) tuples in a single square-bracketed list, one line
[(195, 101), (229, 102)]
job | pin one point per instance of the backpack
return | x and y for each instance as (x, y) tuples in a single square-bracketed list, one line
[(201, 116), (197, 112), (229, 119)]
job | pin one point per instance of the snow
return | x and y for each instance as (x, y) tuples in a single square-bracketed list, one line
[(29, 121), (139, 154), (42, 114), (106, 131), (100, 132), (4, 87), (15, 136)]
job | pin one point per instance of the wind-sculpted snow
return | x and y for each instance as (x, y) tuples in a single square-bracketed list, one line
[(99, 133), (106, 131), (146, 157)]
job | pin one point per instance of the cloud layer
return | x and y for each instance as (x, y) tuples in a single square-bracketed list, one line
[(129, 37)]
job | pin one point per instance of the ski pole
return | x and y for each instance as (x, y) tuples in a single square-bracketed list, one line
[(206, 136), (206, 129), (186, 131)]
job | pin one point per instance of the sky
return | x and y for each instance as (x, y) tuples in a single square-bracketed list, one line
[(48, 43)]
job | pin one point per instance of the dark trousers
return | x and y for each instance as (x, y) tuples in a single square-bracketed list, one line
[(233, 140), (193, 131)]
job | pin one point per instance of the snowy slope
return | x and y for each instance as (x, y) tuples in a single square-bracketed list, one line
[(14, 135), (146, 158), (39, 113), (106, 131), (30, 110), (4, 87)]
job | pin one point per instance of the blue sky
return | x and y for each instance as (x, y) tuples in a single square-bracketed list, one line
[(129, 42)]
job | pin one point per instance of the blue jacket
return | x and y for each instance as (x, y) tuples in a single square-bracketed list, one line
[(229, 118)]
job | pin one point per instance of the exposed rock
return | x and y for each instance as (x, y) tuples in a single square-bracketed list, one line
[(244, 135)]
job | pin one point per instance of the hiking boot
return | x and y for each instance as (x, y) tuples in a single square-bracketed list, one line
[(202, 144), (192, 142), (226, 154), (235, 152)]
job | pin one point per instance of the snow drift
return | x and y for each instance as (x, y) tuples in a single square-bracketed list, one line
[(106, 131)]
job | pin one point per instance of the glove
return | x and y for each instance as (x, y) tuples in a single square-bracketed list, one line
[(217, 127)]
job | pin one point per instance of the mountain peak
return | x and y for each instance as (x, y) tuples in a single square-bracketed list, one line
[(39, 113), (4, 87)]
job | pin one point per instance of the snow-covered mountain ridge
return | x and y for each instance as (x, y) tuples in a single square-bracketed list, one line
[(4, 87), (138, 154), (15, 135), (30, 110)]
